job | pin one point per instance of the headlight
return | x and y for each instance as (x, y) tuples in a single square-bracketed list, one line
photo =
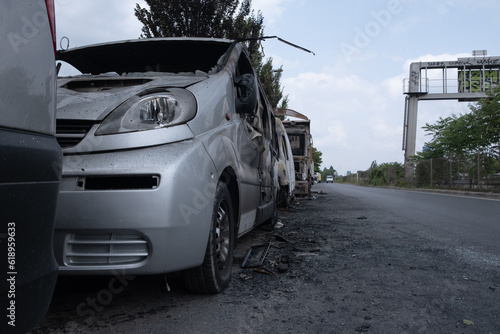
[(150, 111)]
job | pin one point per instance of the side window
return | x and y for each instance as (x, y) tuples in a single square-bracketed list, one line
[(283, 147), (244, 65), (297, 142), (245, 84)]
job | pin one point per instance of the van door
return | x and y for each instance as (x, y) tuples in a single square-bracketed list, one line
[(250, 142), (269, 160)]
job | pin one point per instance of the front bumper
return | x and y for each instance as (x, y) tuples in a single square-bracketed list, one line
[(145, 211), (29, 186)]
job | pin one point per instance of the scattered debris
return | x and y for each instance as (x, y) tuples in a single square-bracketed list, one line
[(284, 259), (283, 267), (264, 271), (255, 256), (245, 276), (306, 250), (281, 238), (361, 217), (278, 224), (468, 322), (166, 283), (306, 254), (471, 279)]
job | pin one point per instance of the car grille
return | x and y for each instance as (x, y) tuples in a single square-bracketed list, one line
[(105, 249), (70, 132)]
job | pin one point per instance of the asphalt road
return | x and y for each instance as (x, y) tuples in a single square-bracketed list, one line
[(349, 260), (456, 219)]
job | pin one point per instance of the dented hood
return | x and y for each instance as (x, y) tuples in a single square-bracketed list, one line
[(113, 72), (94, 97), (87, 106)]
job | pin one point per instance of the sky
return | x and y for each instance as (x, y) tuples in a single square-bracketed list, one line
[(352, 87)]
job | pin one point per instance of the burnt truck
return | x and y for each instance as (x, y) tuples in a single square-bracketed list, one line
[(299, 135)]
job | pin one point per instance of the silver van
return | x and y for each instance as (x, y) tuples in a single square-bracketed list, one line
[(169, 156)]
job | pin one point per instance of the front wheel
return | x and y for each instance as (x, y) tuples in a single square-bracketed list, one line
[(214, 274)]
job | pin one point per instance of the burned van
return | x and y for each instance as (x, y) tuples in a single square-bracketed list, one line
[(299, 134), (169, 156)]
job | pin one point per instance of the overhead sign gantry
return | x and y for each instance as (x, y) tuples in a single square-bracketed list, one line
[(464, 79)]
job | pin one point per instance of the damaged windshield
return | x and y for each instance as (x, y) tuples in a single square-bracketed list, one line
[(177, 56)]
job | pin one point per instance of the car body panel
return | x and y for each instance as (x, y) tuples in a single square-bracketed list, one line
[(142, 201), (148, 211), (30, 167), (25, 28)]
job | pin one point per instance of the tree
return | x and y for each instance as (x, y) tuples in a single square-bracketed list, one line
[(329, 171), (270, 80), (199, 18), (487, 114), (385, 174), (213, 18), (477, 131), (317, 159), (469, 142), (452, 136)]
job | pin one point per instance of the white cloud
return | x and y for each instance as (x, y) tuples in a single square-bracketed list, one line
[(349, 116), (384, 130)]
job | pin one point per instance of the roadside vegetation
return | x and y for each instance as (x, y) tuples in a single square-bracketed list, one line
[(385, 174), (464, 149)]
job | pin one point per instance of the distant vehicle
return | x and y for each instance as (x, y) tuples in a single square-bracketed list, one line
[(329, 179), (286, 171), (317, 177), (299, 134), (169, 155), (30, 164)]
